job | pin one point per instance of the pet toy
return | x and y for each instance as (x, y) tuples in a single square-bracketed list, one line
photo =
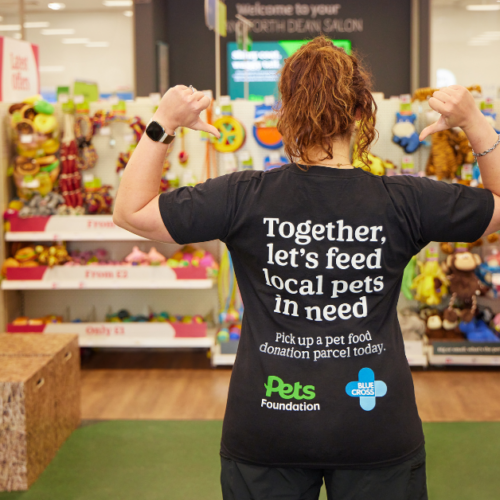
[(405, 133), (463, 283), (265, 129), (431, 284)]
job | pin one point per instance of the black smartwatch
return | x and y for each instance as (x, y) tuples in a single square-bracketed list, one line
[(157, 133)]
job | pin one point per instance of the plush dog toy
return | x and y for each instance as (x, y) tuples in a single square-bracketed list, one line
[(405, 133)]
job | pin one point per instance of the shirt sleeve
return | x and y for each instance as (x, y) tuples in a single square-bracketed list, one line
[(439, 211), (199, 213)]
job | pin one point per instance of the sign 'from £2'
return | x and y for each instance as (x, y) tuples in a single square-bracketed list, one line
[(19, 70)]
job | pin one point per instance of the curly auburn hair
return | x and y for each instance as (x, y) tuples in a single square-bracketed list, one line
[(324, 92)]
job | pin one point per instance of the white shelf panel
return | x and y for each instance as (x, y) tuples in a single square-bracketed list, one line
[(218, 359), (464, 360), (107, 284), (68, 228), (146, 342), (72, 236), (418, 360)]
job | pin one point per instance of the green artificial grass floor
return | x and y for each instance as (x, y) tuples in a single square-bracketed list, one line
[(178, 460)]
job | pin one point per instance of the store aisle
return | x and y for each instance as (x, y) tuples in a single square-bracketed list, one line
[(182, 386)]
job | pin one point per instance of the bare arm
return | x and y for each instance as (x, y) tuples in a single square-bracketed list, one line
[(136, 205), (458, 109)]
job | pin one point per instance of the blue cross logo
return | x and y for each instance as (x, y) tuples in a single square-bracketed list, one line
[(367, 389)]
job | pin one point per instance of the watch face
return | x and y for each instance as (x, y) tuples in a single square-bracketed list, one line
[(155, 131)]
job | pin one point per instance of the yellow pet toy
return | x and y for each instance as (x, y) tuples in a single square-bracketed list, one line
[(431, 284)]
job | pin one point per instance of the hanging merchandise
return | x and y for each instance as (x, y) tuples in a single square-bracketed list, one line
[(84, 131), (408, 277), (97, 198), (374, 164), (229, 163), (183, 155), (404, 131), (232, 132), (245, 161), (274, 160), (138, 127), (450, 150), (168, 179), (265, 129), (431, 284), (35, 136), (228, 291), (70, 180), (424, 93), (490, 115)]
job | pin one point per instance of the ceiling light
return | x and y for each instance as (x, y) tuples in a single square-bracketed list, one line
[(10, 27), (56, 6), (483, 7), (129, 13), (52, 69), (117, 3), (97, 44), (74, 41), (40, 24), (59, 31)]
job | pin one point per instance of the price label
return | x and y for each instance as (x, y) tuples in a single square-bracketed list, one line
[(26, 138), (113, 100), (79, 99)]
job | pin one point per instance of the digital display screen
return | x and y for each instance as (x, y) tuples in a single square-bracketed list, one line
[(259, 66)]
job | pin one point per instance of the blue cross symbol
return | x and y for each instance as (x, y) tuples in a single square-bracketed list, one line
[(367, 389)]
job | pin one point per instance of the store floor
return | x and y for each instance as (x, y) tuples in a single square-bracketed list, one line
[(183, 386), (178, 460)]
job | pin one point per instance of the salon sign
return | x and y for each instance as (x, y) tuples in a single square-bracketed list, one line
[(19, 70)]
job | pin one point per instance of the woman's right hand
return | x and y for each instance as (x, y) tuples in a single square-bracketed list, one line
[(457, 108)]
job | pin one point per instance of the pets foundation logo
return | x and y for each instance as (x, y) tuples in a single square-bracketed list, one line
[(367, 389), (297, 391)]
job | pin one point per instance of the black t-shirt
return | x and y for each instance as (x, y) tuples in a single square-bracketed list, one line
[(321, 377)]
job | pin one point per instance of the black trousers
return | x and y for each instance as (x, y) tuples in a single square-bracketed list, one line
[(406, 481)]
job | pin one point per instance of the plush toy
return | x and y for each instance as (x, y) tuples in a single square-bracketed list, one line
[(405, 133), (408, 277), (431, 284), (464, 284), (374, 164), (477, 330), (412, 325), (438, 328), (424, 93), (442, 160), (491, 117), (42, 205), (136, 257)]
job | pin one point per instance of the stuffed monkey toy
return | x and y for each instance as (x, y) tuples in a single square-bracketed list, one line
[(464, 284)]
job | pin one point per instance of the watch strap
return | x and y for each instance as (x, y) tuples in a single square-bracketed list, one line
[(166, 138)]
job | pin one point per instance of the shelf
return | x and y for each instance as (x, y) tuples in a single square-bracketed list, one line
[(68, 228), (218, 359), (107, 285), (415, 353), (464, 353), (106, 277), (122, 335)]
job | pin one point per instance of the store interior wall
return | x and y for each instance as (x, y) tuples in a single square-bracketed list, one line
[(465, 45), (383, 42), (61, 64)]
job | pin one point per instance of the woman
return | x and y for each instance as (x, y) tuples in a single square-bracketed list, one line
[(321, 389)]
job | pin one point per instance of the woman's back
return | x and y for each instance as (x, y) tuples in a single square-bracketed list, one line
[(321, 378)]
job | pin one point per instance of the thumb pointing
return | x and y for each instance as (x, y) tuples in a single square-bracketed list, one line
[(205, 127), (433, 128)]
